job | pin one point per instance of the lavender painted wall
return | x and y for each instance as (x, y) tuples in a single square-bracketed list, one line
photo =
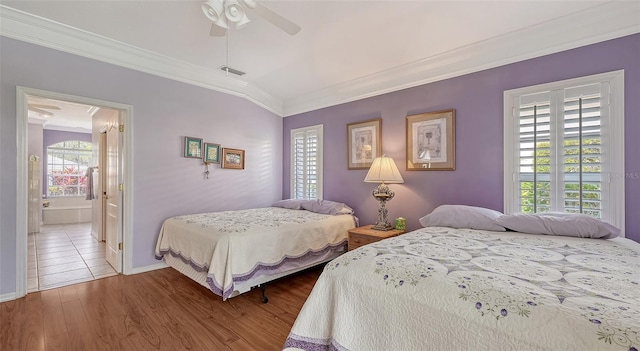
[(165, 183), (50, 137), (477, 99)]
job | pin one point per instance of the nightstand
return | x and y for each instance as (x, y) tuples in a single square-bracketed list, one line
[(365, 235)]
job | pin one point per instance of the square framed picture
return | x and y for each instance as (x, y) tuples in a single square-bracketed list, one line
[(211, 153), (232, 158), (364, 143), (192, 147), (431, 141)]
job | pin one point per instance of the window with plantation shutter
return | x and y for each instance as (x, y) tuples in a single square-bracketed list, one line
[(306, 163), (564, 148)]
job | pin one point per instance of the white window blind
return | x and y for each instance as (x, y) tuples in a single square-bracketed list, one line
[(306, 163), (564, 149)]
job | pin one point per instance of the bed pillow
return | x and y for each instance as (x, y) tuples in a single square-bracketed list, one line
[(558, 223), (292, 204), (461, 216), (327, 207)]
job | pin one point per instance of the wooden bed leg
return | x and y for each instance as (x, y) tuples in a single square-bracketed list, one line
[(265, 299)]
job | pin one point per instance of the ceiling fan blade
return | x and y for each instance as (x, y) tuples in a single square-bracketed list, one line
[(47, 107), (41, 112), (217, 31), (276, 19)]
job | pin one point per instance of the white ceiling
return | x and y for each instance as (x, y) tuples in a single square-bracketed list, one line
[(346, 50), (60, 115)]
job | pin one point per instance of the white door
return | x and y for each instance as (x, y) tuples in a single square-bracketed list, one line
[(113, 220)]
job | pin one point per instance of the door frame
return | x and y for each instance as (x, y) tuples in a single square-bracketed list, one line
[(126, 174)]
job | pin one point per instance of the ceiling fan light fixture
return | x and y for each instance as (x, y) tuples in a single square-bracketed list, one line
[(213, 9), (222, 22), (234, 11), (224, 12), (243, 21)]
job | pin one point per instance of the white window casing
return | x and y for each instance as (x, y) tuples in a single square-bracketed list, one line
[(306, 162), (564, 147)]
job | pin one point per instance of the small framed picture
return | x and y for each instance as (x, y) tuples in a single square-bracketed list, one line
[(192, 147), (211, 153), (232, 158), (364, 143), (431, 141)]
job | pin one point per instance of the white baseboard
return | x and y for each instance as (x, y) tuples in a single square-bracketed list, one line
[(149, 268), (8, 297)]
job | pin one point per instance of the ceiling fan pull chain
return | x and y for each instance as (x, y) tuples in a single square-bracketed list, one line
[(227, 65)]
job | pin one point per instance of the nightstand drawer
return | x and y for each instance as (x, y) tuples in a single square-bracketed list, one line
[(366, 235), (357, 240)]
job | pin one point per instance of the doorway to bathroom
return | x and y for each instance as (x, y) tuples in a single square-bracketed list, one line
[(75, 167)]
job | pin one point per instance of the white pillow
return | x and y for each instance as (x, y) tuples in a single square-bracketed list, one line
[(461, 216), (327, 207), (292, 204), (559, 223)]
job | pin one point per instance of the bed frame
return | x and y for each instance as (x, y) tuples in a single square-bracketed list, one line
[(260, 275)]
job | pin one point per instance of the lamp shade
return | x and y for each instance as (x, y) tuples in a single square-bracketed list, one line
[(383, 170)]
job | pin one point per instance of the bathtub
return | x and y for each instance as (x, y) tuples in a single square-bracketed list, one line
[(64, 210)]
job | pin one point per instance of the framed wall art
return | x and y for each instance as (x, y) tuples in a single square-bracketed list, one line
[(211, 153), (192, 147), (364, 143), (232, 158), (431, 141)]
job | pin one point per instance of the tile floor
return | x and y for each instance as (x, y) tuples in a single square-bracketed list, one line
[(65, 254)]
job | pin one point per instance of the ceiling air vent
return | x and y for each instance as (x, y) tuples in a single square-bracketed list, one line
[(231, 70)]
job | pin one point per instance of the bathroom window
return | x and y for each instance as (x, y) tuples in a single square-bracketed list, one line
[(67, 164)]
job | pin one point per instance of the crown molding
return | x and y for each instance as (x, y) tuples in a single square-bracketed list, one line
[(37, 120), (609, 21), (41, 31)]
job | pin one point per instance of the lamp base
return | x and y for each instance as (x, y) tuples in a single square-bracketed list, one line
[(382, 227), (383, 194)]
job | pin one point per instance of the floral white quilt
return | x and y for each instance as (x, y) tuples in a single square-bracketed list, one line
[(233, 246), (459, 289)]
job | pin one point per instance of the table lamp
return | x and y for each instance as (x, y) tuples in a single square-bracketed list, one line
[(383, 171)]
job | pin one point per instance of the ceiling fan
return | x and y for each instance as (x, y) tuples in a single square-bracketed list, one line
[(225, 13), (40, 109)]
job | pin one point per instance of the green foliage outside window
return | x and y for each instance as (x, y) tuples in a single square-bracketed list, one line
[(591, 191)]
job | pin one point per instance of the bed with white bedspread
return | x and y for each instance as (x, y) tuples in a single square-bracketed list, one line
[(440, 288), (231, 251)]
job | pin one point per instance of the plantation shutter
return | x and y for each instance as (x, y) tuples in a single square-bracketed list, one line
[(535, 152), (306, 162), (583, 149), (560, 150)]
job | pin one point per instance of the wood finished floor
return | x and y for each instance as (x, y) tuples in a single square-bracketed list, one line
[(158, 310)]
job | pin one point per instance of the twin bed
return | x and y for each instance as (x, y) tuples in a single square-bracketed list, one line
[(232, 251)]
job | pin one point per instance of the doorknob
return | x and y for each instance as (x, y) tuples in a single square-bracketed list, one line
[(107, 197)]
